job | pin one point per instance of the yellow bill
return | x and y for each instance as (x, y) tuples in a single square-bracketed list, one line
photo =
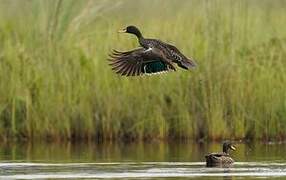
[(122, 31), (233, 147)]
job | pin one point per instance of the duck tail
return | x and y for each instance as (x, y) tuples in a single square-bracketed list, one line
[(187, 64)]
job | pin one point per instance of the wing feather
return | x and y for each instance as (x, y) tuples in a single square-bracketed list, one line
[(132, 63)]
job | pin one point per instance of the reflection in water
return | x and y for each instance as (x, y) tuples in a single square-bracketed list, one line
[(137, 170), (136, 160), (139, 152), (90, 152)]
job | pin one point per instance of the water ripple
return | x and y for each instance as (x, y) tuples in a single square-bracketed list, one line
[(22, 170)]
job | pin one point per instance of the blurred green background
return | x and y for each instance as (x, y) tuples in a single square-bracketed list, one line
[(55, 82)]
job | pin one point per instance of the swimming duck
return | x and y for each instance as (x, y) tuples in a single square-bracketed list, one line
[(154, 56), (221, 158)]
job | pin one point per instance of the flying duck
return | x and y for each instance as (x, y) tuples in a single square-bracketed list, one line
[(154, 56)]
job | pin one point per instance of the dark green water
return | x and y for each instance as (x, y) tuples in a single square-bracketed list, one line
[(138, 161)]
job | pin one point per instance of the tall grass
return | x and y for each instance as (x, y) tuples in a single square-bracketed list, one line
[(55, 82)]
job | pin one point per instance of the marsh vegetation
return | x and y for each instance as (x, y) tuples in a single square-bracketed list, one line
[(55, 82)]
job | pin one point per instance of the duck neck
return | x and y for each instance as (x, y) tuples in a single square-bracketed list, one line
[(137, 33), (142, 42), (225, 149), (140, 37)]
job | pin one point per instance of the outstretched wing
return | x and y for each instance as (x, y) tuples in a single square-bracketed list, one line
[(138, 62)]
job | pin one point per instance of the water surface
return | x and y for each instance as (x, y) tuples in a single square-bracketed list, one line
[(138, 161)]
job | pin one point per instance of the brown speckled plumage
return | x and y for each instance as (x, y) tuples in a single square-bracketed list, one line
[(221, 158)]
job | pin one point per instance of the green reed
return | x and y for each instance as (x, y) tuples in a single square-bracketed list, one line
[(55, 82)]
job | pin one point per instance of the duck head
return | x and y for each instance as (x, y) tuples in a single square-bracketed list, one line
[(132, 30), (226, 146)]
